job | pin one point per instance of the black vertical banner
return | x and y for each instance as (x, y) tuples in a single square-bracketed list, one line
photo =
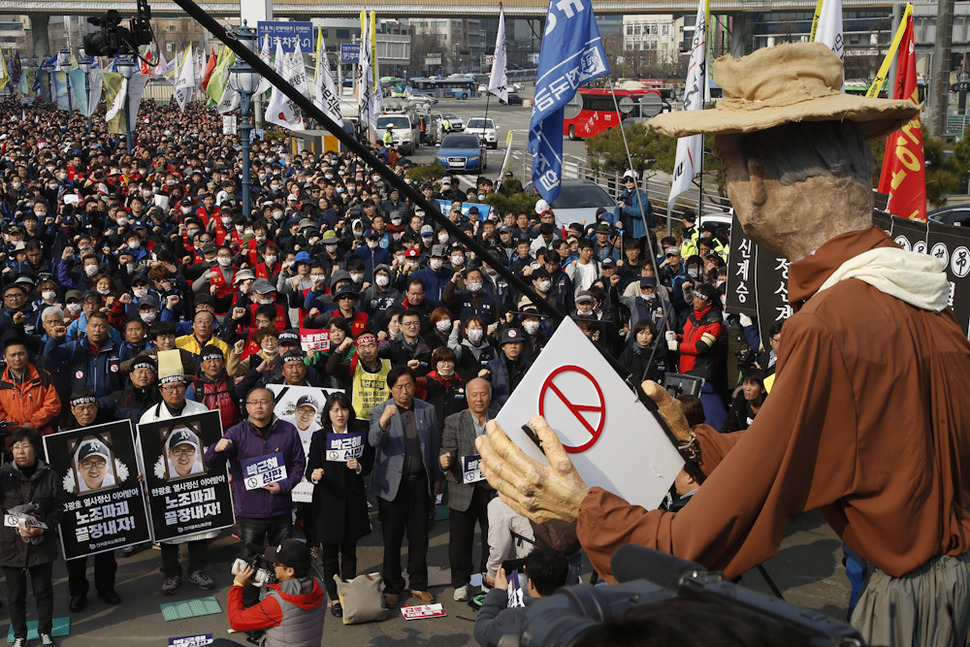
[(909, 234), (952, 245), (740, 286), (771, 290), (883, 220)]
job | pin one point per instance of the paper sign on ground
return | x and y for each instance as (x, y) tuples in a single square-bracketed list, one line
[(263, 470), (612, 438), (190, 641), (418, 611)]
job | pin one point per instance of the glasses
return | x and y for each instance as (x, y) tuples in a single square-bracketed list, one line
[(86, 464), (345, 297), (173, 388), (410, 323), (260, 403), (184, 452)]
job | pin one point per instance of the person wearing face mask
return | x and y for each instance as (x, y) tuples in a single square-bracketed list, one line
[(219, 280), (77, 278), (473, 300), (441, 326), (208, 211), (436, 276), (646, 305), (381, 295), (472, 347), (372, 255), (269, 268), (442, 387)]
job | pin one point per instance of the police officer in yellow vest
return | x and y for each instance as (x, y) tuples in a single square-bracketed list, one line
[(388, 137)]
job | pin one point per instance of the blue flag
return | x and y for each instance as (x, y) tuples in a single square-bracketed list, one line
[(572, 54)]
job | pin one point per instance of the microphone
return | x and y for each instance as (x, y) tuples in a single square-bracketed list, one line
[(634, 562)]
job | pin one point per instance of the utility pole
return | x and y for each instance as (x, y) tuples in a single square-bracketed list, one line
[(940, 81)]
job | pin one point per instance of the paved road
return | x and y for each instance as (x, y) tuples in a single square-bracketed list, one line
[(807, 570)]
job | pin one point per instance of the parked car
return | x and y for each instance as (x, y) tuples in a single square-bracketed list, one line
[(404, 129), (957, 215), (578, 200), (462, 152), (514, 100), (456, 122), (484, 127)]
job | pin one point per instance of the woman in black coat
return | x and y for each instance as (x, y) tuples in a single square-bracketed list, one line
[(29, 480), (339, 508)]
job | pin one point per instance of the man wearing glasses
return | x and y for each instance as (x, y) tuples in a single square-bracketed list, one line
[(184, 457), (263, 513), (172, 387)]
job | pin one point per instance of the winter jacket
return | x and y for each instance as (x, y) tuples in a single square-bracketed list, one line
[(292, 613), (217, 395), (248, 443), (98, 371), (340, 495), (44, 488), (699, 344), (31, 403), (133, 402)]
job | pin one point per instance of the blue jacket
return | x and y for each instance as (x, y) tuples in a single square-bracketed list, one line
[(372, 258), (247, 443), (434, 282), (630, 216), (99, 372)]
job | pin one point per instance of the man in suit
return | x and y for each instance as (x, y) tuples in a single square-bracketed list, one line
[(406, 478), (468, 501)]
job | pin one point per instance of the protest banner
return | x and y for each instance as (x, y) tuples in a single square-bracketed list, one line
[(591, 410), (260, 471), (471, 470), (184, 496), (483, 209), (342, 447), (317, 339), (104, 507), (302, 407)]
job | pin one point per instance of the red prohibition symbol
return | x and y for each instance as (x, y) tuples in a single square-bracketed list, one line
[(578, 410)]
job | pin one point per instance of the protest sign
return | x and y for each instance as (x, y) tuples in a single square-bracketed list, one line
[(184, 496), (471, 471), (260, 471), (343, 447), (741, 272), (317, 339), (302, 407), (104, 507), (597, 418), (466, 207), (419, 611)]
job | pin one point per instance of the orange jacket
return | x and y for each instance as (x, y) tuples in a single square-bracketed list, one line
[(33, 403)]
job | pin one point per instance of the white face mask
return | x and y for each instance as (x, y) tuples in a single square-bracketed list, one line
[(134, 244), (457, 259), (240, 228), (148, 316), (531, 327), (443, 238), (130, 267), (475, 287), (412, 264), (260, 239), (270, 260), (104, 292), (140, 293), (372, 244), (399, 258), (435, 264), (356, 277), (330, 248), (227, 221), (191, 232), (475, 335), (545, 285), (90, 270), (224, 261), (382, 280), (444, 325), (123, 222), (693, 272), (74, 308), (264, 302), (48, 295)]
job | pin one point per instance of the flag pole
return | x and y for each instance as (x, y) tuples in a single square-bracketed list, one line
[(890, 55)]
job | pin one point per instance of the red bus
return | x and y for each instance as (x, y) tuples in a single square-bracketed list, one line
[(592, 110)]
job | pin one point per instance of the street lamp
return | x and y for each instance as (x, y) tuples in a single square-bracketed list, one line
[(65, 57), (244, 80), (125, 66), (85, 64)]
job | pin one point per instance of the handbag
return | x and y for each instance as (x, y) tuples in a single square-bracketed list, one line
[(361, 598)]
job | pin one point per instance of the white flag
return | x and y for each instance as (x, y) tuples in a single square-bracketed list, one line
[(136, 89), (118, 103), (165, 69), (324, 90), (829, 29), (281, 110), (498, 82), (185, 81), (264, 83), (690, 149), (97, 85), (364, 83), (230, 100)]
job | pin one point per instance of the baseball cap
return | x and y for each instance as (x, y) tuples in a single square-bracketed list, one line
[(93, 447), (510, 336), (608, 262), (292, 553), (183, 436), (648, 282), (427, 230), (289, 337), (308, 401), (439, 251), (412, 253), (262, 286), (585, 297)]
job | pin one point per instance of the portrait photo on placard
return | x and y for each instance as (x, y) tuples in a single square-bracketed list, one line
[(93, 465), (183, 452)]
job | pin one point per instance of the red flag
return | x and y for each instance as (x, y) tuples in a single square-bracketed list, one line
[(146, 63), (210, 66), (903, 165)]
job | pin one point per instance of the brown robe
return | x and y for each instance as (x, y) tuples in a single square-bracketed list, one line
[(868, 421)]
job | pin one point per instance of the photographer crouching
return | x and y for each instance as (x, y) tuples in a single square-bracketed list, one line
[(292, 611)]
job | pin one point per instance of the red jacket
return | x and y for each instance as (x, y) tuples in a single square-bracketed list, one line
[(32, 403), (697, 357), (267, 613)]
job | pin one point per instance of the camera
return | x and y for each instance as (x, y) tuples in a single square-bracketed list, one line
[(113, 39), (746, 358), (647, 577), (265, 573)]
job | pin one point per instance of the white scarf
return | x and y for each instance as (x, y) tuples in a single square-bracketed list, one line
[(917, 279)]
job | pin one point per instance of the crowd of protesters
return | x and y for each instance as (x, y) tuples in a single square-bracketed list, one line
[(110, 256)]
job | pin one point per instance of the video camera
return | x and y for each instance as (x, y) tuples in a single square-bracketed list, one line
[(649, 577), (113, 39), (265, 573)]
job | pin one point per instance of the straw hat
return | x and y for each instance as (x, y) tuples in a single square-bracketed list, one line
[(782, 84)]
